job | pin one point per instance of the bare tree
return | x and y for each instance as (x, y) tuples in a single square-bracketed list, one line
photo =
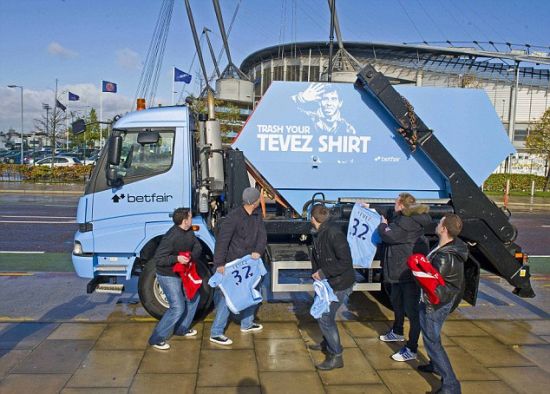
[(52, 125)]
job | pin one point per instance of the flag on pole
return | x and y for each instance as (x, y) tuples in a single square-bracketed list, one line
[(108, 87), (73, 97), (181, 76), (60, 106)]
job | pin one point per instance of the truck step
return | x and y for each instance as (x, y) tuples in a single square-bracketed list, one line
[(109, 288), (117, 268)]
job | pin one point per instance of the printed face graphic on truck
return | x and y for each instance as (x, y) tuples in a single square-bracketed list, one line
[(322, 104), (313, 123)]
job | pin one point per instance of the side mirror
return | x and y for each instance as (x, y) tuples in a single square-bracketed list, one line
[(115, 148), (79, 126), (148, 137), (112, 177)]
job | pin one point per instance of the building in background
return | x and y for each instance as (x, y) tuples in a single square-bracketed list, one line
[(425, 65)]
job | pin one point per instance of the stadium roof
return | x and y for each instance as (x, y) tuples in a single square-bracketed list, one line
[(492, 65)]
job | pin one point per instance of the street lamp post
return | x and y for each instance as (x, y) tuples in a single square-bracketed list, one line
[(22, 145)]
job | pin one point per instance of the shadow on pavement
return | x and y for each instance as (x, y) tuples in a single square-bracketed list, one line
[(20, 332)]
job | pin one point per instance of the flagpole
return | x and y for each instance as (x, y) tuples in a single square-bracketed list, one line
[(54, 121), (67, 128), (173, 83), (100, 115)]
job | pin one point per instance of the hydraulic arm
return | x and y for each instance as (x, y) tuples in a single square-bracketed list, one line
[(486, 227)]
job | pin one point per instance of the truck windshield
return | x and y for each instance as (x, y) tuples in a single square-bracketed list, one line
[(138, 161)]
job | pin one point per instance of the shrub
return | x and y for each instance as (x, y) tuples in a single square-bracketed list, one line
[(74, 174), (518, 182)]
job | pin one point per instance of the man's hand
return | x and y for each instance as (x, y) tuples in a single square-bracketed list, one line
[(255, 255), (365, 205), (313, 92), (221, 269), (316, 276), (383, 220), (183, 260)]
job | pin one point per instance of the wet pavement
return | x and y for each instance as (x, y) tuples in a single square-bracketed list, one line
[(59, 339), (98, 343)]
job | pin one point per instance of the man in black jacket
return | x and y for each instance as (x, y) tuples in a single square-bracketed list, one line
[(331, 260), (401, 237), (242, 233), (448, 258), (179, 316)]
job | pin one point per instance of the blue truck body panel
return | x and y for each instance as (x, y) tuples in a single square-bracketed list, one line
[(333, 143)]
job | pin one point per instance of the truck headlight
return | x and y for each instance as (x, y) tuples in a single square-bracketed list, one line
[(77, 248)]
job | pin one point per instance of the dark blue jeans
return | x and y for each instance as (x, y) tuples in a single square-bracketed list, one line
[(405, 298), (180, 314), (327, 322), (431, 322)]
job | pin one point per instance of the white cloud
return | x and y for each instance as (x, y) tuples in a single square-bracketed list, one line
[(128, 59), (10, 115), (56, 49)]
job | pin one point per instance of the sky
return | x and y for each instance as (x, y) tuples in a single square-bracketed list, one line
[(82, 42)]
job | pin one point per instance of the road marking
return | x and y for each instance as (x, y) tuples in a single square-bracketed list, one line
[(6, 319), (35, 222), (137, 318), (19, 252), (37, 217), (16, 274), (546, 225)]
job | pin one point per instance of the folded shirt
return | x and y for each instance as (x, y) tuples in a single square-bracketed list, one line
[(239, 281), (324, 295)]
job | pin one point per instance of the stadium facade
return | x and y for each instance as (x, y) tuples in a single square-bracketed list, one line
[(422, 65)]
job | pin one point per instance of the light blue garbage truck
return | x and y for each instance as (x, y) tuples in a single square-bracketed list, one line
[(305, 143)]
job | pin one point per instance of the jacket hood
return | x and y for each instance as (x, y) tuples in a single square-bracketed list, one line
[(415, 209), (457, 247), (413, 222)]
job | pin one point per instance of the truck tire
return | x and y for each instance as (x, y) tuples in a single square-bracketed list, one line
[(152, 297)]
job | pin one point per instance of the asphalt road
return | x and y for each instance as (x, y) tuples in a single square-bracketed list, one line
[(37, 223), (42, 223)]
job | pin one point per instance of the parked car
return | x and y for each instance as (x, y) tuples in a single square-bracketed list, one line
[(90, 160), (14, 157), (59, 161)]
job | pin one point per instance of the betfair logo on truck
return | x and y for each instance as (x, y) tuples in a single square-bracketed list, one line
[(142, 198)]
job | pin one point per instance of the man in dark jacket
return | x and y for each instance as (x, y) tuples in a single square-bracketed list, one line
[(179, 316), (331, 260), (242, 233), (401, 237), (448, 258)]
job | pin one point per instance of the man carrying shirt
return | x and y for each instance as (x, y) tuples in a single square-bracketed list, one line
[(242, 233)]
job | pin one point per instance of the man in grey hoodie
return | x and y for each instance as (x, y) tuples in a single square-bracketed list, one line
[(401, 237)]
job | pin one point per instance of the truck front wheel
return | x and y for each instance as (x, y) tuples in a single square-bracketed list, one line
[(154, 300)]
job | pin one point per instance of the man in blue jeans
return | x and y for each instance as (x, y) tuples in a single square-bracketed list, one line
[(331, 260), (242, 233), (179, 316), (448, 258)]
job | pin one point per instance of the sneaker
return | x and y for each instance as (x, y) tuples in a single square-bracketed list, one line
[(162, 346), (221, 340), (391, 336), (253, 328), (404, 354), (191, 333)]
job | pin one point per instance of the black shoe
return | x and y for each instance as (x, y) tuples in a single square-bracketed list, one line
[(427, 368), (332, 361)]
